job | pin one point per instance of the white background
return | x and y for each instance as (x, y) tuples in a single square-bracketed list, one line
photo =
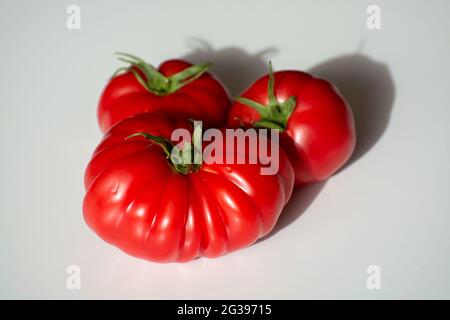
[(389, 207)]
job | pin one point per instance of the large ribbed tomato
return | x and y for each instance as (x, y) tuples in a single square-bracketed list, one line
[(317, 125), (139, 201), (176, 88)]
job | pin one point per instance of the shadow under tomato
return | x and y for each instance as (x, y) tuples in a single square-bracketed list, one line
[(300, 201), (235, 67), (369, 88), (366, 84)]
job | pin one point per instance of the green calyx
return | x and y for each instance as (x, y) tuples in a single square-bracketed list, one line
[(276, 114), (157, 83), (184, 160)]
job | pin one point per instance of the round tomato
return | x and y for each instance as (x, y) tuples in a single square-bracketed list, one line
[(176, 88), (317, 126), (147, 205)]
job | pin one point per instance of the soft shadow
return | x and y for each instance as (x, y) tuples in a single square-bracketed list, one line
[(366, 84), (234, 66), (369, 88), (300, 201)]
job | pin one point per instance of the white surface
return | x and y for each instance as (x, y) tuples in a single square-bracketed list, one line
[(390, 207)]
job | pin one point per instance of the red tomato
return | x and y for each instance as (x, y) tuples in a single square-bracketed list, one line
[(138, 200), (177, 88), (317, 125)]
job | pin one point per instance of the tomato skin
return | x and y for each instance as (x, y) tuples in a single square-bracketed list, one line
[(203, 99), (320, 134), (136, 201)]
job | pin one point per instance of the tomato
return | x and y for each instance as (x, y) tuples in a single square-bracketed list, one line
[(317, 125), (176, 88), (142, 202)]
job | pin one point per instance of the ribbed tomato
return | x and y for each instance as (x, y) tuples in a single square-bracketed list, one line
[(317, 126), (139, 201), (176, 88)]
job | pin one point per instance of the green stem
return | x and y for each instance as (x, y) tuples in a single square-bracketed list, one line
[(181, 160), (276, 114), (164, 143), (157, 83), (271, 87)]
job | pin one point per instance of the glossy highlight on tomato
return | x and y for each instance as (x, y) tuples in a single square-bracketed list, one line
[(137, 201), (317, 125), (177, 88)]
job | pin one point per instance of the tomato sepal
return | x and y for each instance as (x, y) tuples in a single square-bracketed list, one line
[(154, 81), (182, 160), (275, 114)]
